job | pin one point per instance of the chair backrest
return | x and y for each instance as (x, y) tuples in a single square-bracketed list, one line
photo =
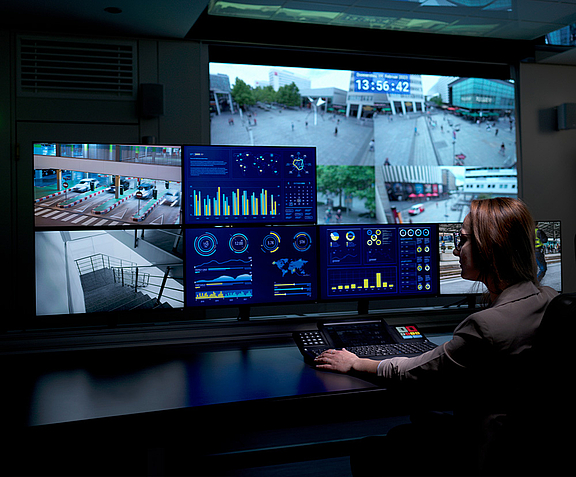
[(539, 427), (558, 327)]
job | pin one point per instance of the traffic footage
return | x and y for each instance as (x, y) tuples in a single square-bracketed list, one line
[(79, 185)]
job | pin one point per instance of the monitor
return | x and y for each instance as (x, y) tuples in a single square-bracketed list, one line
[(93, 270), (249, 185), (250, 265), (106, 185), (550, 251), (378, 261), (392, 147)]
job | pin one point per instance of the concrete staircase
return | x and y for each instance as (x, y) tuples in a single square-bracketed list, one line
[(102, 294)]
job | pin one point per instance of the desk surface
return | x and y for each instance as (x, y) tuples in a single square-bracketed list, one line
[(107, 383)]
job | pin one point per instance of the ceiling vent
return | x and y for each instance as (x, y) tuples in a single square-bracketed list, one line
[(76, 68)]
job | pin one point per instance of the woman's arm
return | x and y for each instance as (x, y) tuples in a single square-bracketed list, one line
[(344, 361)]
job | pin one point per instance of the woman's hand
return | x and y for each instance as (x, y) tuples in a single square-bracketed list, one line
[(336, 360)]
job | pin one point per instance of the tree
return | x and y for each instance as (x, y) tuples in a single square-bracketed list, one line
[(265, 94), (437, 100), (355, 181), (289, 95), (242, 94)]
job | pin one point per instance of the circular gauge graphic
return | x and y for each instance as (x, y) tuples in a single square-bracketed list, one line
[(238, 243), (271, 242), (205, 244), (334, 236), (418, 232), (350, 236), (425, 232), (402, 232), (302, 241), (410, 232)]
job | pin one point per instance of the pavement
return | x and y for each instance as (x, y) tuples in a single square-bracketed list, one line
[(415, 139), (434, 139), (287, 127)]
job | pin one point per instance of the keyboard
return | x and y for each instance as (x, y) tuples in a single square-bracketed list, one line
[(383, 351)]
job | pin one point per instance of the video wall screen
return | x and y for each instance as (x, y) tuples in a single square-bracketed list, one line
[(391, 147), (106, 185), (378, 261), (250, 265), (548, 249), (249, 185), (108, 270)]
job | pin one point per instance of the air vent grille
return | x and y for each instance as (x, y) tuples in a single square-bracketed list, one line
[(63, 68)]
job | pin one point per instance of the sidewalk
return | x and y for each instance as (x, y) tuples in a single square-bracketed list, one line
[(296, 128)]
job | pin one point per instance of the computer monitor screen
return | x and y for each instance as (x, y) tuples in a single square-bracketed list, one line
[(391, 147), (378, 261), (106, 185), (548, 253), (108, 270), (250, 265), (249, 185)]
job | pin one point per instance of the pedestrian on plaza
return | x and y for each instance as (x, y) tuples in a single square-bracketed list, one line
[(496, 133), (292, 125), (336, 131), (503, 149), (339, 216), (541, 239), (371, 145)]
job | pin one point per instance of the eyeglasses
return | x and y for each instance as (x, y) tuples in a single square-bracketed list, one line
[(459, 240)]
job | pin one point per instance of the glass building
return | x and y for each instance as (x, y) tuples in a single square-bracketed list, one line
[(479, 95)]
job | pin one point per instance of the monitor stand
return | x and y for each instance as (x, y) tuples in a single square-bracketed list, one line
[(469, 300), (363, 305), (244, 313)]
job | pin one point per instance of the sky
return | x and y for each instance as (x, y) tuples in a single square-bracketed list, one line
[(320, 78)]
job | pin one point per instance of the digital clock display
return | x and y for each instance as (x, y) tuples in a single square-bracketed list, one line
[(391, 83)]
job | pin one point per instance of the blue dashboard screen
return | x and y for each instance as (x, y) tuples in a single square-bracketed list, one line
[(378, 261), (249, 185), (250, 265)]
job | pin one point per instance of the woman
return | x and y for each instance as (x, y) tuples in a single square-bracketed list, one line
[(483, 361)]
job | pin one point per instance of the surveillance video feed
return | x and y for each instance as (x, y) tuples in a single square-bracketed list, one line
[(106, 185)]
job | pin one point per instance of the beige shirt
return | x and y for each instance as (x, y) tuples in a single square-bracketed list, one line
[(484, 344)]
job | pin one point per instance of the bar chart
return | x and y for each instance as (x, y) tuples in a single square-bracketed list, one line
[(229, 202), (380, 280)]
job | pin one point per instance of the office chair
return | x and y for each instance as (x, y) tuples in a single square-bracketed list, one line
[(540, 440)]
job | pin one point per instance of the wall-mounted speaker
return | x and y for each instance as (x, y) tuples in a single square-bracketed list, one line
[(151, 100), (566, 116)]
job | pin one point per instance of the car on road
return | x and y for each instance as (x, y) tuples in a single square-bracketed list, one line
[(416, 209), (147, 189), (124, 184), (85, 185), (171, 196)]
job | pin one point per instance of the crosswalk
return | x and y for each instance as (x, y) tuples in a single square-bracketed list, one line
[(71, 218), (76, 219)]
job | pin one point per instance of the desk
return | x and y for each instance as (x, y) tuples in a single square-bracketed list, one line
[(111, 408), (91, 385)]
